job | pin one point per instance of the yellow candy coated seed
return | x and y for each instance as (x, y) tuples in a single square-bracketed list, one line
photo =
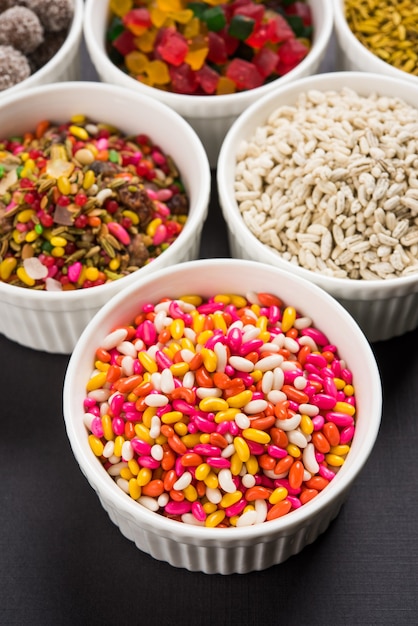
[(192, 299), (148, 414), (144, 476), (24, 277), (213, 404), (119, 441), (191, 439), (242, 449), (134, 489), (64, 185), (171, 417), (96, 382), (58, 241), (252, 465), (177, 328), (202, 471), (7, 267), (203, 336), (344, 407), (57, 252), (209, 507), (96, 445), (279, 494), (254, 434), (230, 498), (293, 450), (107, 427), (25, 216), (340, 450), (226, 416), (288, 319), (349, 390), (126, 473), (256, 375), (240, 399), (134, 467), (89, 179), (219, 322), (236, 464), (147, 362), (190, 493), (334, 459), (79, 132), (210, 360), (92, 273), (180, 428), (215, 518), (179, 369), (306, 425), (142, 432), (211, 480)]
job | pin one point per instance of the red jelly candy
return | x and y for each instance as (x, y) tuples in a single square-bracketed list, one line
[(217, 53), (292, 52), (302, 10), (244, 74), (208, 79), (125, 43), (253, 11), (172, 47), (137, 20), (265, 61), (183, 79)]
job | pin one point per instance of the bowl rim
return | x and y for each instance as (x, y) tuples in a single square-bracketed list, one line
[(99, 57), (357, 49), (70, 45), (230, 208), (202, 166), (106, 487)]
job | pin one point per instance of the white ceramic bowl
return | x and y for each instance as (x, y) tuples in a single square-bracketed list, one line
[(353, 55), (225, 550), (64, 65), (210, 116), (383, 308), (53, 321)]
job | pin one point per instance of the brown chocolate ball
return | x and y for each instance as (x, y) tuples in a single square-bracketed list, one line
[(54, 15), (20, 28), (14, 67)]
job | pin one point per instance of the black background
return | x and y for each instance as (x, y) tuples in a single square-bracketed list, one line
[(63, 562)]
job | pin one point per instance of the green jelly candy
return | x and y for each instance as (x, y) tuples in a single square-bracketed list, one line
[(214, 18), (241, 27)]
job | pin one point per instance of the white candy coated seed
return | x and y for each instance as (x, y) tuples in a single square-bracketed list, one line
[(269, 362), (255, 406), (123, 484), (157, 452), (149, 503), (114, 338), (261, 510), (167, 381), (242, 420), (108, 449), (128, 365), (213, 495), (248, 518), (309, 459), (297, 438), (163, 499), (275, 396), (183, 481), (267, 382), (308, 409), (241, 364), (225, 481), (228, 451), (156, 399), (289, 424), (155, 429), (114, 470), (127, 348), (248, 480), (127, 451), (208, 392), (221, 355)]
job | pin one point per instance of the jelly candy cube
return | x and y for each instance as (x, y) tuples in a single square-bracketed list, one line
[(302, 10), (292, 52), (244, 74), (125, 43), (183, 79), (265, 61), (241, 27), (137, 20), (217, 52), (208, 79), (214, 18), (172, 47)]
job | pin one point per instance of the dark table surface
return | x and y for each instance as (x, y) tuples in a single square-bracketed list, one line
[(63, 562)]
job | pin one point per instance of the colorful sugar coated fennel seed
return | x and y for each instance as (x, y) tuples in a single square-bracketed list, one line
[(208, 48), (82, 204), (388, 28), (220, 412)]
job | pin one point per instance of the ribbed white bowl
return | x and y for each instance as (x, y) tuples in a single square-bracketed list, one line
[(64, 65), (53, 321), (383, 308), (210, 116), (227, 550), (353, 55)]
